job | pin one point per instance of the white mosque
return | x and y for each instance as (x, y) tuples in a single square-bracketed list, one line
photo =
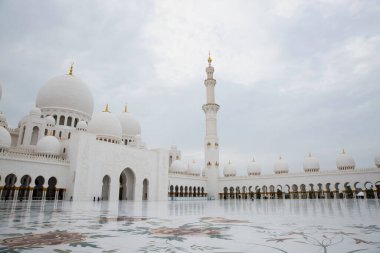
[(62, 151)]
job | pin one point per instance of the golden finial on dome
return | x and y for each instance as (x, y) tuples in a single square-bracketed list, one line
[(106, 109), (125, 108), (309, 154), (253, 159), (343, 151), (71, 69), (209, 58), (280, 157)]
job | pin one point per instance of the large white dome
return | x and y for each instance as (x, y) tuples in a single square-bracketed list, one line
[(311, 164), (66, 92), (48, 145), (177, 167), (129, 124), (281, 166), (229, 171), (5, 138), (345, 162), (377, 160), (253, 168), (106, 126)]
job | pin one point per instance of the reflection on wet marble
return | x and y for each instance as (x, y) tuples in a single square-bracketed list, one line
[(191, 226)]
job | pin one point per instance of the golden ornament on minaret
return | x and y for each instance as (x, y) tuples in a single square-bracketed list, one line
[(106, 109), (209, 58), (71, 69)]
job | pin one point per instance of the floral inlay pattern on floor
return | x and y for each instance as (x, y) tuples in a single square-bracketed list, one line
[(83, 230)]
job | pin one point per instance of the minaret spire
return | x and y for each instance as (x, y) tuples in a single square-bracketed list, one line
[(211, 142), (106, 109), (71, 69)]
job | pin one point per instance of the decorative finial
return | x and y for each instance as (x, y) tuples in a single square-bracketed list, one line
[(309, 154), (253, 159), (106, 109), (125, 108), (280, 157), (209, 58), (343, 151), (71, 69), (229, 161)]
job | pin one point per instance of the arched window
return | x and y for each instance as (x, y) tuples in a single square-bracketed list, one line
[(62, 120), (68, 136), (76, 122), (38, 188), (53, 132), (34, 139), (145, 189), (9, 188), (60, 134), (106, 187), (46, 132), (50, 192), (170, 160), (55, 118), (69, 121)]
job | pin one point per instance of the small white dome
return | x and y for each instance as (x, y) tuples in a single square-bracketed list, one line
[(194, 169), (253, 168), (229, 171), (345, 162), (311, 164), (377, 160), (66, 92), (5, 138), (35, 112), (50, 121), (3, 120), (129, 124), (177, 167), (48, 145), (281, 166), (106, 126), (82, 125)]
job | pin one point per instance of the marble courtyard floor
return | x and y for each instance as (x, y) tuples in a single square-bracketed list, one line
[(191, 226)]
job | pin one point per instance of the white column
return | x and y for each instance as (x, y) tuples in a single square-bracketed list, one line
[(44, 194), (56, 195), (15, 195)]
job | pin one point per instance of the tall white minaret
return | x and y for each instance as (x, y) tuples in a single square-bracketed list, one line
[(211, 138)]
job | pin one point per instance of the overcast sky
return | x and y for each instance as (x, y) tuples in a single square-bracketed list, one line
[(292, 76)]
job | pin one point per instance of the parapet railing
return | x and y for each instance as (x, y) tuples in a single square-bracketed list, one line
[(15, 155)]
